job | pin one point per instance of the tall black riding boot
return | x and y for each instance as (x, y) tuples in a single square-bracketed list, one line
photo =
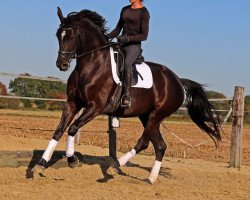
[(126, 99)]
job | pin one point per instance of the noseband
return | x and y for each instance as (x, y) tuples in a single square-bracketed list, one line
[(64, 53)]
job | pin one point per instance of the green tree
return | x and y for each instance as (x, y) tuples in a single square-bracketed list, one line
[(219, 105), (26, 87), (57, 105), (215, 95)]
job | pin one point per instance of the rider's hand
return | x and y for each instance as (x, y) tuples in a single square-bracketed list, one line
[(108, 39), (123, 39)]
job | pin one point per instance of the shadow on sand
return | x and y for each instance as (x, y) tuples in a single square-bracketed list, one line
[(59, 160)]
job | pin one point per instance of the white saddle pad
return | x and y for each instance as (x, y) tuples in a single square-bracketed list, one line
[(143, 69)]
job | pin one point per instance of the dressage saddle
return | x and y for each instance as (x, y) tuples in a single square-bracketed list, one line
[(119, 55)]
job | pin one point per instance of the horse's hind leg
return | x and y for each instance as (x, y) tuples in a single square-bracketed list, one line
[(67, 116), (126, 157), (141, 144), (151, 133), (150, 123), (160, 148)]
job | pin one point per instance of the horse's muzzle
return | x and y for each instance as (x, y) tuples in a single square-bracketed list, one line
[(62, 64)]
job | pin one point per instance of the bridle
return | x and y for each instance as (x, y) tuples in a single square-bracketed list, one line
[(74, 54)]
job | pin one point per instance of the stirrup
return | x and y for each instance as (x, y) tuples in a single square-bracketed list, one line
[(125, 105)]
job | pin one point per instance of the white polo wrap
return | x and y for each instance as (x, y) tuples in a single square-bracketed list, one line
[(125, 158), (155, 171), (70, 146), (50, 149)]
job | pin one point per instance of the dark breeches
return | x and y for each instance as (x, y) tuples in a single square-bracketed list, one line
[(132, 53)]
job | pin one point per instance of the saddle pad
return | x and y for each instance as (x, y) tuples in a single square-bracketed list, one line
[(146, 79)]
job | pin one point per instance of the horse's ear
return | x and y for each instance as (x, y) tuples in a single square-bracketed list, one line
[(60, 15)]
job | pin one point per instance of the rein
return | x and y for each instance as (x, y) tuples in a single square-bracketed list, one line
[(100, 48), (75, 56)]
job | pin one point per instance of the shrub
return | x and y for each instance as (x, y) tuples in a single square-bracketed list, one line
[(13, 104)]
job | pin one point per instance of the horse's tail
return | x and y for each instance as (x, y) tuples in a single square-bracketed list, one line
[(200, 109)]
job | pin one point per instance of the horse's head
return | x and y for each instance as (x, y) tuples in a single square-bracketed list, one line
[(76, 35), (67, 43)]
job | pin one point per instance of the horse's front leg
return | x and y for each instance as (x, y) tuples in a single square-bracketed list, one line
[(68, 114), (88, 114)]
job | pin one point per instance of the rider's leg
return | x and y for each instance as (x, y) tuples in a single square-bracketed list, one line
[(132, 53)]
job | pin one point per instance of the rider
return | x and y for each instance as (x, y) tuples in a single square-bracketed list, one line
[(134, 23)]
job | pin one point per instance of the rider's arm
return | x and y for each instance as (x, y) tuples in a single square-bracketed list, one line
[(144, 28)]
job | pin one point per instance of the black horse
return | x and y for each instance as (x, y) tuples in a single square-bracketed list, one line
[(82, 36)]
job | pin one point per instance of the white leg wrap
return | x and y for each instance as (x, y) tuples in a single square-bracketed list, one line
[(50, 149), (125, 158), (115, 122), (155, 171), (70, 146)]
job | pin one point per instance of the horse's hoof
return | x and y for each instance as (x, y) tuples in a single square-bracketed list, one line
[(38, 171), (150, 181), (147, 181), (73, 161), (74, 164)]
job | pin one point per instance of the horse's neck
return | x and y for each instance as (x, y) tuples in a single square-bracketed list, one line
[(90, 40), (98, 59), (95, 62)]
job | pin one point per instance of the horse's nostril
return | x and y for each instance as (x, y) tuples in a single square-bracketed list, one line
[(65, 65)]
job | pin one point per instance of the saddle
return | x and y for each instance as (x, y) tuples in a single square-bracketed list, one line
[(119, 55)]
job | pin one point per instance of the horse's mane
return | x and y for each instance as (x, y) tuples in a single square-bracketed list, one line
[(92, 16)]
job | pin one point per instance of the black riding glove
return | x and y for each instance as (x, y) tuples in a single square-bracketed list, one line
[(123, 39)]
